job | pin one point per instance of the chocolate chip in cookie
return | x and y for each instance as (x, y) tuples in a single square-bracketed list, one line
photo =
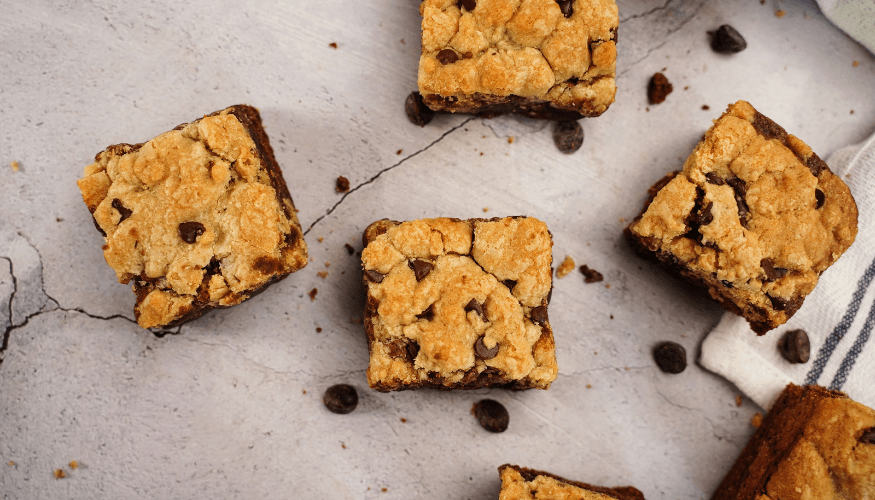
[(447, 56), (484, 352), (189, 231)]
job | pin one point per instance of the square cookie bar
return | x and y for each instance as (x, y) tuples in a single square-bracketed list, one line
[(520, 483), (197, 218), (754, 216), (459, 304), (813, 444), (541, 58)]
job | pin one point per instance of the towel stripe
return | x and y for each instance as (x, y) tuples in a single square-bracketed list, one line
[(838, 333), (848, 363)]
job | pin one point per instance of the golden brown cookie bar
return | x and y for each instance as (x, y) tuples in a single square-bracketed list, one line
[(520, 483), (459, 304), (754, 216), (197, 218), (542, 58), (813, 444)]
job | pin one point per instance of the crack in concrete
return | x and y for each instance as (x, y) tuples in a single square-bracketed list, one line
[(701, 414), (606, 368), (6, 333), (665, 38), (383, 171), (649, 12)]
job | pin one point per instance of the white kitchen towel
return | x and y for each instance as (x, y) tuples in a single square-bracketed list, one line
[(854, 17), (838, 315)]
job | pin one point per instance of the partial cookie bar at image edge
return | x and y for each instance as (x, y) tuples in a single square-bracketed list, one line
[(521, 483), (197, 218)]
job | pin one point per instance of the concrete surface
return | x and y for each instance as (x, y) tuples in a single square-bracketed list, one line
[(230, 407)]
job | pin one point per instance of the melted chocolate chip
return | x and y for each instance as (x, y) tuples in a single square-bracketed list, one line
[(417, 112), (467, 5), (492, 415), (510, 284), (769, 269), (340, 398), (349, 249), (428, 314), (421, 268), (795, 347), (397, 348), (738, 185), (447, 56), (714, 179), (868, 437), (568, 136), (412, 349), (189, 231), (374, 276), (705, 217), (566, 7), (484, 352), (539, 315), (819, 198), (476, 307), (124, 212), (727, 40), (670, 357), (778, 303)]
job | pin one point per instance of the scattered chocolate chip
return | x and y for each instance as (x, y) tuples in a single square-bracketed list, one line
[(795, 347), (428, 314), (868, 437), (705, 107), (670, 357), (417, 112), (476, 307), (819, 198), (591, 275), (125, 213), (568, 136), (714, 179), (491, 414), (189, 231), (342, 184), (510, 284), (705, 217), (340, 398), (467, 5), (769, 269), (658, 88), (778, 303), (447, 56), (421, 268), (349, 249), (484, 352), (374, 276), (726, 40), (566, 7), (539, 315)]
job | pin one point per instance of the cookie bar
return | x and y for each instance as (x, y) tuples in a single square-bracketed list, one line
[(520, 483), (754, 216), (458, 304), (197, 218), (541, 58), (813, 444)]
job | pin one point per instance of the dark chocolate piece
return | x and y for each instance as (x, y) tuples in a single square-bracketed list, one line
[(374, 276), (567, 7), (421, 268), (342, 184), (341, 399), (568, 136), (467, 5), (795, 347), (484, 352), (819, 198), (539, 315), (591, 275), (492, 415), (124, 212), (475, 306), (726, 40), (671, 357), (189, 231), (417, 112), (658, 88), (868, 437), (447, 56)]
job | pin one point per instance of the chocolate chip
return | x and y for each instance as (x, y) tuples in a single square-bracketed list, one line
[(510, 284), (447, 56), (340, 398), (568, 136), (428, 314), (868, 437), (727, 284), (566, 7), (125, 213), (349, 249), (342, 184), (769, 268), (670, 357), (417, 112), (727, 40), (795, 347), (819, 198), (738, 185), (491, 414), (484, 352), (714, 179), (591, 275), (397, 348), (412, 349), (658, 88), (778, 303), (705, 217), (467, 5), (539, 315), (476, 307), (189, 231), (374, 276), (421, 268)]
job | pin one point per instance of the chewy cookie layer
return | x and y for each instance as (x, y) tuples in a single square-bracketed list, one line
[(198, 218), (754, 216), (520, 483), (813, 444), (542, 58), (459, 304)]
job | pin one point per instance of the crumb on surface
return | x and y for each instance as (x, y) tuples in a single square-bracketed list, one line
[(403, 420), (383, 490), (74, 464), (320, 239), (485, 209), (318, 329), (343, 446), (312, 294), (349, 249), (738, 400), (607, 285), (305, 391), (60, 474), (591, 275), (327, 264), (565, 267), (333, 45), (687, 87), (399, 151), (852, 111), (322, 274), (11, 463), (757, 420), (589, 386), (705, 107), (854, 64), (658, 88), (15, 165), (779, 13), (612, 316), (342, 184), (510, 140)]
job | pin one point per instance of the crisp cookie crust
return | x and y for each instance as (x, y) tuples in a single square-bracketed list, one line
[(521, 56), (458, 304), (198, 218), (755, 216), (520, 483), (810, 446)]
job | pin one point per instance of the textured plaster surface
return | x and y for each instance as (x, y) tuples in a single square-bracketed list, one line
[(230, 406)]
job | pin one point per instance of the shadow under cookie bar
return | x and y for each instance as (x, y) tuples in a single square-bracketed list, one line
[(447, 310), (813, 443), (754, 217), (521, 482), (197, 218)]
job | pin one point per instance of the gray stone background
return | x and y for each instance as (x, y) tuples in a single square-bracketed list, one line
[(231, 406)]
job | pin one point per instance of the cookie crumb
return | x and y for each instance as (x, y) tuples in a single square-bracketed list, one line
[(322, 274), (779, 13), (402, 41), (399, 151), (607, 285), (383, 490), (312, 294), (14, 164), (74, 464), (333, 45), (852, 111), (343, 446), (510, 140), (328, 264), (705, 107), (738, 400), (349, 249), (589, 386), (687, 87), (305, 391), (485, 209), (403, 420), (757, 420), (60, 474), (565, 267), (658, 88), (11, 463), (320, 239), (591, 275), (854, 64), (318, 329), (342, 184), (612, 316)]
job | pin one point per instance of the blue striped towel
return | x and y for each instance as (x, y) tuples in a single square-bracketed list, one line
[(839, 315)]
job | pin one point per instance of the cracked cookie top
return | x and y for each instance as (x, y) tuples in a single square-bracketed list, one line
[(196, 199), (451, 298), (530, 48), (755, 208), (519, 483)]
